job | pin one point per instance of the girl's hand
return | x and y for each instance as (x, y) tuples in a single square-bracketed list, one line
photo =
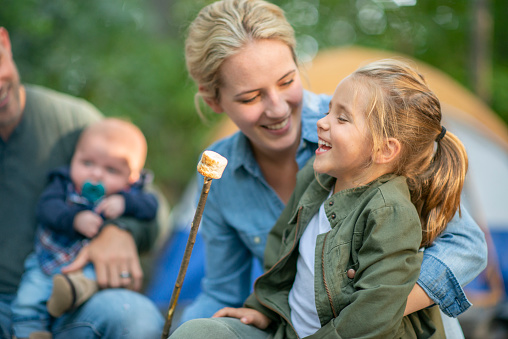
[(111, 207), (87, 223), (247, 316)]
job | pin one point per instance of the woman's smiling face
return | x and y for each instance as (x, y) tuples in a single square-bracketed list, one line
[(261, 92)]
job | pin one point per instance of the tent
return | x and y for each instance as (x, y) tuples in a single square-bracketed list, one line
[(484, 135)]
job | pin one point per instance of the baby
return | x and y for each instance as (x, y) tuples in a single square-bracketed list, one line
[(104, 182)]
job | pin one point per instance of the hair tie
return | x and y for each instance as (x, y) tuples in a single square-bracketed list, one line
[(441, 135)]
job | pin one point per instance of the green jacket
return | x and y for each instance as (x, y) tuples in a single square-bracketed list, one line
[(376, 231)]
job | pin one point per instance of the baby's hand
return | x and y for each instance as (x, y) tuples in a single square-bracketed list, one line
[(111, 207), (247, 316), (87, 223)]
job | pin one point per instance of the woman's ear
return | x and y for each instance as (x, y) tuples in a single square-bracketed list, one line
[(213, 103), (389, 152)]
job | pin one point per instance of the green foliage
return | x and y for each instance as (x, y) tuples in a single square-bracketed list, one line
[(112, 54), (126, 56)]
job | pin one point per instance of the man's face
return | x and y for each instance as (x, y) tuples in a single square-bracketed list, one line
[(11, 92)]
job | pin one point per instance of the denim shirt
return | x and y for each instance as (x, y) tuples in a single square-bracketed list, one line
[(242, 208)]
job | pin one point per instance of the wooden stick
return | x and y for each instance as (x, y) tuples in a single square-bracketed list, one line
[(186, 257), (211, 167)]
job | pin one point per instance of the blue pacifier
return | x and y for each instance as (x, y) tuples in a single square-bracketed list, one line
[(93, 192)]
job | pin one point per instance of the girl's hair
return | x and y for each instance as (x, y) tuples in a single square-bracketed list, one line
[(401, 106), (221, 29)]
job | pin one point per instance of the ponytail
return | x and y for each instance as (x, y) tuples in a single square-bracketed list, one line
[(432, 159), (441, 186)]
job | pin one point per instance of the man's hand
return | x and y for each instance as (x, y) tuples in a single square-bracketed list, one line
[(114, 255), (87, 223), (112, 206), (247, 316)]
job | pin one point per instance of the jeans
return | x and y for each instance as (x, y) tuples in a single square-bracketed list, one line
[(110, 313), (29, 313), (218, 328)]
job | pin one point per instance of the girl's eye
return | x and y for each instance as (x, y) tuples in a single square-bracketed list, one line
[(326, 113), (87, 163), (342, 118)]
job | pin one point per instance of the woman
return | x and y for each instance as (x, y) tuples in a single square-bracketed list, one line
[(241, 54)]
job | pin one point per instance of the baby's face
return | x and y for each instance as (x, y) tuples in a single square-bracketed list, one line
[(98, 161)]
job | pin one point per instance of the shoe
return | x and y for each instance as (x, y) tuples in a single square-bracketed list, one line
[(69, 292)]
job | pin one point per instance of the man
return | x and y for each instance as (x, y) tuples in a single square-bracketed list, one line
[(38, 131)]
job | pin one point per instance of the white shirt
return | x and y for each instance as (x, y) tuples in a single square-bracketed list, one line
[(302, 299)]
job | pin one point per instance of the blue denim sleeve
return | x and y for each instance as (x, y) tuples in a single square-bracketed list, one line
[(228, 264), (455, 258)]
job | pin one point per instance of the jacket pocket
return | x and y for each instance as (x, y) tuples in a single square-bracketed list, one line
[(339, 260)]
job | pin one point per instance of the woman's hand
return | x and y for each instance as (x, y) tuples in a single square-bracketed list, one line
[(247, 316)]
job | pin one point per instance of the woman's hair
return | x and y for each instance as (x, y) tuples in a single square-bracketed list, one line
[(433, 160), (224, 27)]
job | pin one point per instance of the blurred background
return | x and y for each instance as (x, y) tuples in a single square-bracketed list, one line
[(126, 57)]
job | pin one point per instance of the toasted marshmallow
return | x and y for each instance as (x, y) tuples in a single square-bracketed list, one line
[(212, 164)]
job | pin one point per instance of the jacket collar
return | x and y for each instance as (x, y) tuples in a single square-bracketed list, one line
[(343, 202)]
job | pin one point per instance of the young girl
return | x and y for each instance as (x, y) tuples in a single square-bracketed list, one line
[(385, 181)]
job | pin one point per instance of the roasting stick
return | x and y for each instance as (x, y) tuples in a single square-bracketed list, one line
[(211, 166)]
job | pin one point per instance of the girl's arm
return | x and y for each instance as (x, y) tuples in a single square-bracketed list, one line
[(455, 258)]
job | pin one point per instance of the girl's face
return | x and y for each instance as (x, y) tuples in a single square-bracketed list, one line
[(262, 93), (345, 144)]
